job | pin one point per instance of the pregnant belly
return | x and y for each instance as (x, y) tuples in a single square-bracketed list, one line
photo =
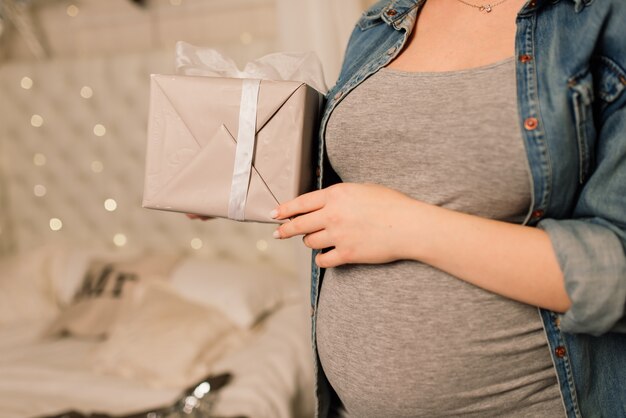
[(406, 339)]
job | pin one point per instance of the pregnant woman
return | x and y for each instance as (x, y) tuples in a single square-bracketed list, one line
[(470, 225)]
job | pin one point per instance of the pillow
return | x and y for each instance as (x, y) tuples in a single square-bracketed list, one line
[(25, 291), (242, 292), (103, 287), (165, 340), (69, 268)]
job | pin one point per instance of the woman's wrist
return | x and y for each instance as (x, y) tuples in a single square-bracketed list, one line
[(414, 223)]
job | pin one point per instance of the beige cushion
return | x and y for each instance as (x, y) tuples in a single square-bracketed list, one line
[(164, 340), (105, 285), (243, 292)]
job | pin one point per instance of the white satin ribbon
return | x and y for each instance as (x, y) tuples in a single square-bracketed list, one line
[(246, 137)]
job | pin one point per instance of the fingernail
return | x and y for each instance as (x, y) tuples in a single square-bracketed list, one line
[(274, 214), (276, 234)]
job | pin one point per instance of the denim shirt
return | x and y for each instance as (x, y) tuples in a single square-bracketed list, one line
[(571, 85)]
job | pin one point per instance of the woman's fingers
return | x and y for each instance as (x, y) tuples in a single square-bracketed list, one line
[(306, 203), (300, 225), (329, 259), (318, 240), (195, 216)]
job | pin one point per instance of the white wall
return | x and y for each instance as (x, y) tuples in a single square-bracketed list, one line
[(114, 27), (95, 27)]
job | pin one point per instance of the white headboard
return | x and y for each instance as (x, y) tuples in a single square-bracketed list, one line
[(72, 135)]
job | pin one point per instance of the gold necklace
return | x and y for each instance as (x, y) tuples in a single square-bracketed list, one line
[(487, 8)]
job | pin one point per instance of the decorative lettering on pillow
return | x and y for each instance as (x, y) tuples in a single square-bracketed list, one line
[(105, 289)]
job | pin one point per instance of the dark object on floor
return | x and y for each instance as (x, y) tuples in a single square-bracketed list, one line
[(141, 3), (195, 402)]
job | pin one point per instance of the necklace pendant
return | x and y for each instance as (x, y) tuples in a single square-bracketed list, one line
[(486, 8)]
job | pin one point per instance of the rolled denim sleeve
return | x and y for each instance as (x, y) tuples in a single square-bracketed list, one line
[(590, 245), (592, 260)]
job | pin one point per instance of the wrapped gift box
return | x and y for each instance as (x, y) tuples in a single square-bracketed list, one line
[(192, 145)]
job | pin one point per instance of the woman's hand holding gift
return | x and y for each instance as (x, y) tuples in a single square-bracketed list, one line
[(363, 222)]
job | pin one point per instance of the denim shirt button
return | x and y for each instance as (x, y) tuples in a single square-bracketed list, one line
[(392, 51), (525, 58), (531, 124), (392, 12), (338, 95), (560, 351), (537, 213)]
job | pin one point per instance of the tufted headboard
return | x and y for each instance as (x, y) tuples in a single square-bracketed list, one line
[(72, 145)]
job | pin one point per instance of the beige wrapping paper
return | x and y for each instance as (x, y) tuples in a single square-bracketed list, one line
[(192, 142)]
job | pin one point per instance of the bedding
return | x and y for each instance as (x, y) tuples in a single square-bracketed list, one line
[(165, 340), (160, 342), (197, 401), (272, 374)]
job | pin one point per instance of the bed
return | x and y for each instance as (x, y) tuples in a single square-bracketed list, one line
[(108, 308)]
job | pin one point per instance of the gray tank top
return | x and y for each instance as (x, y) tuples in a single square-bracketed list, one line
[(406, 339)]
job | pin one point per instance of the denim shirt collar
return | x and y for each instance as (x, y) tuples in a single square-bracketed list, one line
[(401, 13)]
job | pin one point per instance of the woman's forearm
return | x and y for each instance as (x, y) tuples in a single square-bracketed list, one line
[(511, 260), (372, 224)]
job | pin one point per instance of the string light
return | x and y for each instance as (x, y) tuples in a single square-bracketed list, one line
[(110, 205), (39, 159), (119, 240), (40, 190), (261, 245), (56, 224), (36, 120), (26, 83), (86, 92), (196, 243), (99, 130), (96, 166), (72, 10)]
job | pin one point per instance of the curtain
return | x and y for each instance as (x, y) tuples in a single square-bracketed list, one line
[(323, 26)]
